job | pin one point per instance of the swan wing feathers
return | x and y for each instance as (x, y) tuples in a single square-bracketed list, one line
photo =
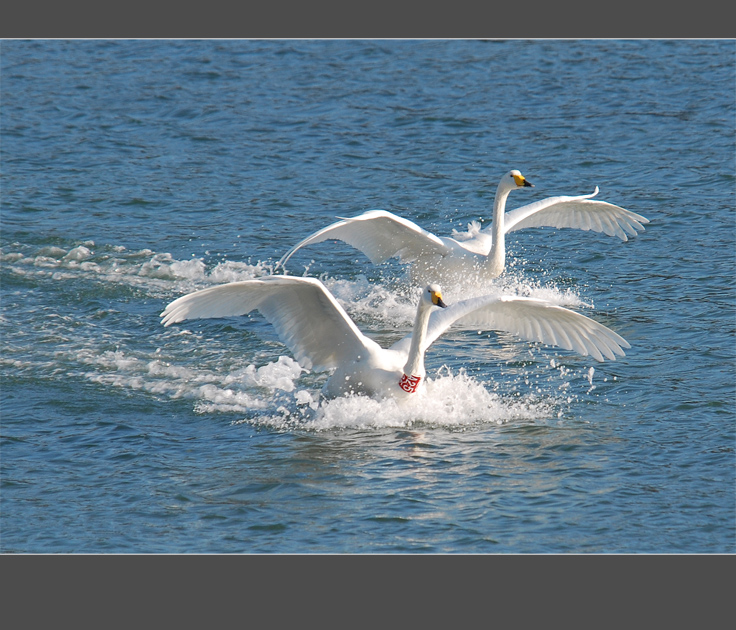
[(304, 313), (580, 212), (531, 319), (379, 235)]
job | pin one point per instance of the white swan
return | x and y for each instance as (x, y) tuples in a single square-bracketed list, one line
[(380, 234), (322, 336)]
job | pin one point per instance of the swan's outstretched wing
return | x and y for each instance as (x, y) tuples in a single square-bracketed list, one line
[(576, 212), (379, 235), (304, 313), (531, 319)]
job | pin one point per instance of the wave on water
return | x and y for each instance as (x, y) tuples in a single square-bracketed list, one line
[(157, 272), (256, 381), (161, 272), (453, 400), (275, 395)]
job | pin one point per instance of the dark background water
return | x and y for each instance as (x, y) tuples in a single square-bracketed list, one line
[(135, 171)]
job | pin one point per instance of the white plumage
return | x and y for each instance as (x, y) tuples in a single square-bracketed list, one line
[(380, 234), (323, 337)]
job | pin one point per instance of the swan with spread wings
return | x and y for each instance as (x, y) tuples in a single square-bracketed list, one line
[(381, 235), (323, 337)]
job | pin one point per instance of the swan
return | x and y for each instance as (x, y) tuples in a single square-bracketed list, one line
[(380, 234), (322, 336)]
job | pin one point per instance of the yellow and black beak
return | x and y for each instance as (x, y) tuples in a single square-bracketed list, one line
[(437, 299), (522, 181)]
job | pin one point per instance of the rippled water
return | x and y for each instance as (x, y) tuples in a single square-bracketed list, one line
[(136, 171)]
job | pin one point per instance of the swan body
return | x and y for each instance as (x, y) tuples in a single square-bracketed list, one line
[(381, 235), (323, 337)]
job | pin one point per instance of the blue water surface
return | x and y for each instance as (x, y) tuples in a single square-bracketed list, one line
[(136, 171)]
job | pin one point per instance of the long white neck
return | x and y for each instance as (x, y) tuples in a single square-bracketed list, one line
[(497, 256), (415, 361)]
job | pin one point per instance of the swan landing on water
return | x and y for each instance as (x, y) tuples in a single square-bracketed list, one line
[(322, 336), (381, 235)]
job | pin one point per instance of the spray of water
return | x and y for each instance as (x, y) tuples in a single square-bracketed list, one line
[(258, 382)]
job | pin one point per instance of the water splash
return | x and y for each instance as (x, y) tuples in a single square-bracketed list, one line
[(157, 273), (452, 400), (591, 371), (253, 379)]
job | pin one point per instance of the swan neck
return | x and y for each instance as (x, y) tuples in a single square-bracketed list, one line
[(415, 361), (497, 255)]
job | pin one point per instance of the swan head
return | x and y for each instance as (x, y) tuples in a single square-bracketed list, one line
[(432, 296), (514, 179)]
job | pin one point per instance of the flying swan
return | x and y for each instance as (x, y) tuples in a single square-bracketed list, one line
[(380, 234), (323, 337)]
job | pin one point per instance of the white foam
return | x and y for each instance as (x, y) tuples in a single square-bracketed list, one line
[(233, 271), (272, 376), (52, 252), (283, 396), (452, 400), (391, 306), (374, 301), (278, 393), (158, 273), (165, 267), (78, 254), (515, 283)]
